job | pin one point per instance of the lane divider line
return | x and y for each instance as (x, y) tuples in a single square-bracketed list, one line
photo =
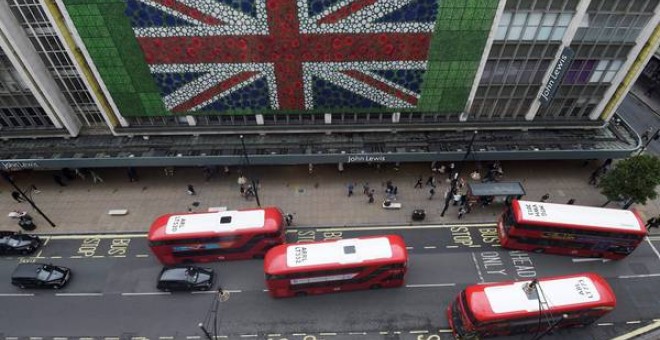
[(430, 247), (78, 294), (326, 334), (655, 250), (419, 332), (104, 236), (638, 276), (141, 255), (16, 295), (249, 335), (439, 226), (605, 324), (429, 285), (146, 294)]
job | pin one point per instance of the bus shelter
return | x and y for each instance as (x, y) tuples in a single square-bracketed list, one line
[(495, 192)]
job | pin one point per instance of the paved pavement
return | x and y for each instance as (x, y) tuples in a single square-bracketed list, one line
[(316, 199)]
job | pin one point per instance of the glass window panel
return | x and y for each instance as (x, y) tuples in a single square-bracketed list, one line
[(519, 19), (549, 19), (529, 34), (615, 65), (602, 65), (609, 76), (505, 19), (501, 33), (544, 33), (564, 19), (595, 77), (534, 19), (514, 32), (558, 33)]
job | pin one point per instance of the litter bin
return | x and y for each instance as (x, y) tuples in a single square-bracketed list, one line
[(418, 215), (25, 222)]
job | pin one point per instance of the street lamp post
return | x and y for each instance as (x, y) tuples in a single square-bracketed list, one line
[(247, 161), (8, 178)]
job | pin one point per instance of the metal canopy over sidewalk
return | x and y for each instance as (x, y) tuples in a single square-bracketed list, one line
[(613, 141)]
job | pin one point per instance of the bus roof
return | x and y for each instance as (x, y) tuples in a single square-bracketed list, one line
[(171, 226), (508, 300), (577, 216), (288, 258)]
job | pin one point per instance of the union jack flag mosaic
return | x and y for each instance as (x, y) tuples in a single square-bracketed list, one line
[(225, 55)]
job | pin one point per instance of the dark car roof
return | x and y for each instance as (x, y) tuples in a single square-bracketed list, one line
[(28, 270), (173, 274)]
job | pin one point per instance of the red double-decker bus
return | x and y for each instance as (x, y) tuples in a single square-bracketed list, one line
[(530, 306), (570, 229), (338, 265), (213, 236)]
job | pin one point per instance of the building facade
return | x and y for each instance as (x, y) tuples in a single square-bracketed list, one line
[(124, 68)]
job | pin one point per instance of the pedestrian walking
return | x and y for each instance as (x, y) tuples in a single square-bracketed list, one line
[(593, 178), (340, 168), (95, 177), (450, 171), (132, 174), (431, 181), (432, 192), (59, 180), (17, 196), (418, 185), (350, 189), (371, 196), (365, 188), (289, 219), (545, 197), (191, 190), (653, 222), (242, 190), (79, 173), (571, 201)]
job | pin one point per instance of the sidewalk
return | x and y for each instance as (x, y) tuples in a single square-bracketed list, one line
[(318, 199)]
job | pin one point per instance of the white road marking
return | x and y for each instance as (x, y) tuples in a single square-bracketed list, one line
[(249, 335), (409, 248), (589, 259), (56, 257), (605, 324), (81, 237), (430, 247), (655, 250), (445, 330), (439, 226), (428, 285), (142, 255), (327, 333), (165, 337), (451, 246), (357, 333), (16, 295), (633, 322), (146, 294), (79, 294), (476, 264), (638, 276), (193, 337), (98, 256), (418, 332)]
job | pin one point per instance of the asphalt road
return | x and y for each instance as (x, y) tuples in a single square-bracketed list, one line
[(640, 117), (112, 294)]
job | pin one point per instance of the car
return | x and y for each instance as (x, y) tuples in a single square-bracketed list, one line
[(40, 275), (185, 278), (16, 243)]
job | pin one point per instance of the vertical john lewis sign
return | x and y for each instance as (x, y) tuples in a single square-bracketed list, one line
[(558, 71)]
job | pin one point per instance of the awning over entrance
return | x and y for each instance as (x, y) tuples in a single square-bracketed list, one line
[(509, 189)]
